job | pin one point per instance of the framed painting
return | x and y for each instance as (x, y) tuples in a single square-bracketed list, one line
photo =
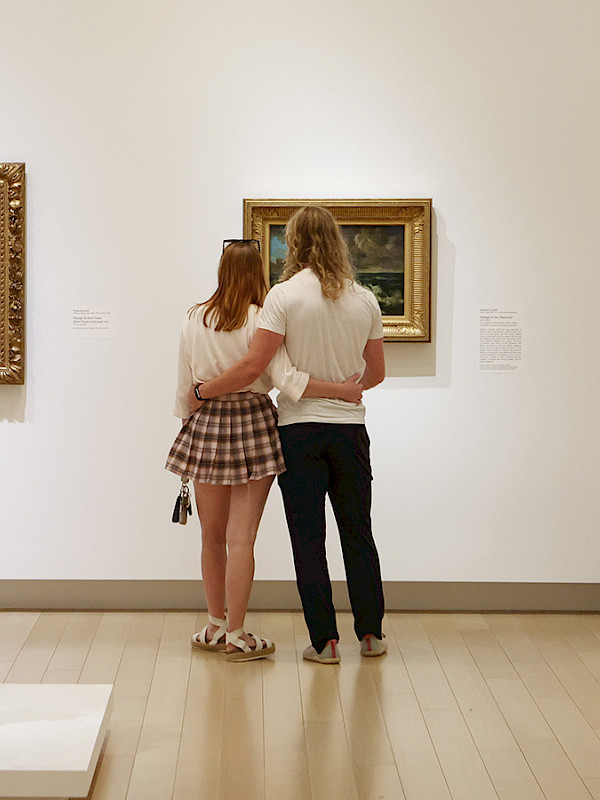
[(390, 246), (12, 273)]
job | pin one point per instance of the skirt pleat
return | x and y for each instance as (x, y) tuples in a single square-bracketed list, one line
[(230, 440)]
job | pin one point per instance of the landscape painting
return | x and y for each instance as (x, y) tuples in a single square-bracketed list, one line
[(376, 252), (390, 247)]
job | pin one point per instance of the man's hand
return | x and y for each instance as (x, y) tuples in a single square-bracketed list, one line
[(350, 390)]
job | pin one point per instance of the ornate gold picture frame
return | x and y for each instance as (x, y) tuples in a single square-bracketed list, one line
[(390, 246), (12, 273)]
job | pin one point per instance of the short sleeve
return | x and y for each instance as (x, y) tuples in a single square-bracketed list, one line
[(273, 316), (376, 331)]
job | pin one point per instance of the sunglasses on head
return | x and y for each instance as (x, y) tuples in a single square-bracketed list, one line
[(227, 242)]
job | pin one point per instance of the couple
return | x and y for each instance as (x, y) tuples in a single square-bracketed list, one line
[(233, 348)]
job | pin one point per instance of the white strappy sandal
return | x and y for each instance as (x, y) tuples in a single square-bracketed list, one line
[(217, 642), (262, 648)]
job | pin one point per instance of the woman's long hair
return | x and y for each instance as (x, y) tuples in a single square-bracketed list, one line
[(314, 240), (242, 283)]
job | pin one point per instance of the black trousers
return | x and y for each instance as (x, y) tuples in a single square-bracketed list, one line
[(321, 459)]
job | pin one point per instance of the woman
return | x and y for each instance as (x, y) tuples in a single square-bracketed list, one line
[(331, 326), (229, 446)]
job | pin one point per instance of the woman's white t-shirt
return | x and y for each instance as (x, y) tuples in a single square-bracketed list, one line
[(205, 353)]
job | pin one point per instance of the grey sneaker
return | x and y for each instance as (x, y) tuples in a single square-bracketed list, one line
[(371, 646), (328, 655)]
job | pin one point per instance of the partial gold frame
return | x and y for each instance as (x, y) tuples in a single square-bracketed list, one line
[(12, 273), (414, 325)]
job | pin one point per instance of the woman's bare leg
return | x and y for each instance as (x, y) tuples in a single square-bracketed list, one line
[(213, 504), (245, 511)]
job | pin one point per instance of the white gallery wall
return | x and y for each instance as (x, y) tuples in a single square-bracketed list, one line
[(144, 125)]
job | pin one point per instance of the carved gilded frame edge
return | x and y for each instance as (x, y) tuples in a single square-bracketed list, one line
[(415, 324), (12, 273)]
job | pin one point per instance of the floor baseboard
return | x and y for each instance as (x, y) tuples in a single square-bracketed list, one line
[(283, 595)]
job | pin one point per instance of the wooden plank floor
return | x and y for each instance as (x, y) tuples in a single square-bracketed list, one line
[(463, 707)]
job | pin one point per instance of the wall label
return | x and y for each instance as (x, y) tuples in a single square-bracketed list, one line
[(500, 340), (90, 323)]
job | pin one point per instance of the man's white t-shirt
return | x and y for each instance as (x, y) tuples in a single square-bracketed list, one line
[(323, 337)]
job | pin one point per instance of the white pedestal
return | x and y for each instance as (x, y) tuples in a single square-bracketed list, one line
[(50, 738)]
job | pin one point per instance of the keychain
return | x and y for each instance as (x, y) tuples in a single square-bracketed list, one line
[(183, 504)]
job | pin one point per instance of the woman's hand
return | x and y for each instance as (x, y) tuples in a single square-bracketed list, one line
[(351, 390), (192, 401)]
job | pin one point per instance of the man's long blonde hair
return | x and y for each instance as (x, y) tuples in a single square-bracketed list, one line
[(242, 283), (314, 240)]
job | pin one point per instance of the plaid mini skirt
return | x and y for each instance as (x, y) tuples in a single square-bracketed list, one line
[(229, 440)]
